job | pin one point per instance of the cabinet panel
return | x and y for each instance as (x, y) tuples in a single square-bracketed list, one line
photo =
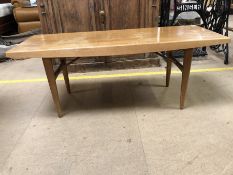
[(79, 15), (151, 12), (121, 14), (69, 16), (48, 17)]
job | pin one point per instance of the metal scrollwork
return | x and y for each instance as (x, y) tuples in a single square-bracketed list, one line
[(217, 18)]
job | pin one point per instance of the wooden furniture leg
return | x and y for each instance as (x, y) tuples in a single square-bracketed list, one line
[(48, 65), (169, 66), (188, 54), (66, 75)]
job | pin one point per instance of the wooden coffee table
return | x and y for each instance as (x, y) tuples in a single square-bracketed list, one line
[(116, 42)]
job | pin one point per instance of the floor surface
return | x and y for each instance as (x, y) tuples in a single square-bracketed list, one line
[(117, 126)]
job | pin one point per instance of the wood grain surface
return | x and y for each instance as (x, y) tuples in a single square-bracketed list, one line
[(116, 42)]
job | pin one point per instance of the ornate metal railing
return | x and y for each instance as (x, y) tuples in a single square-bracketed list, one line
[(214, 15)]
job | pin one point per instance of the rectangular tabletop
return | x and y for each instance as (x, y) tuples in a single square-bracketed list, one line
[(116, 42)]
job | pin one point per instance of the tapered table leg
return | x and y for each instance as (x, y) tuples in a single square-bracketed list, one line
[(66, 75), (48, 65), (185, 75), (169, 66)]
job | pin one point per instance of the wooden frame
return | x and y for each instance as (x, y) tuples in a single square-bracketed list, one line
[(53, 74)]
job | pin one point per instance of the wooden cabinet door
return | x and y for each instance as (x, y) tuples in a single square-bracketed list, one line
[(78, 15), (69, 16), (151, 12), (122, 14), (48, 17)]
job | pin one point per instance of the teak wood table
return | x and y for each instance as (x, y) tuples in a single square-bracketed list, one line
[(116, 42)]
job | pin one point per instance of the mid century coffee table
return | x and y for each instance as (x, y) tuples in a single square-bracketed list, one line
[(116, 42)]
